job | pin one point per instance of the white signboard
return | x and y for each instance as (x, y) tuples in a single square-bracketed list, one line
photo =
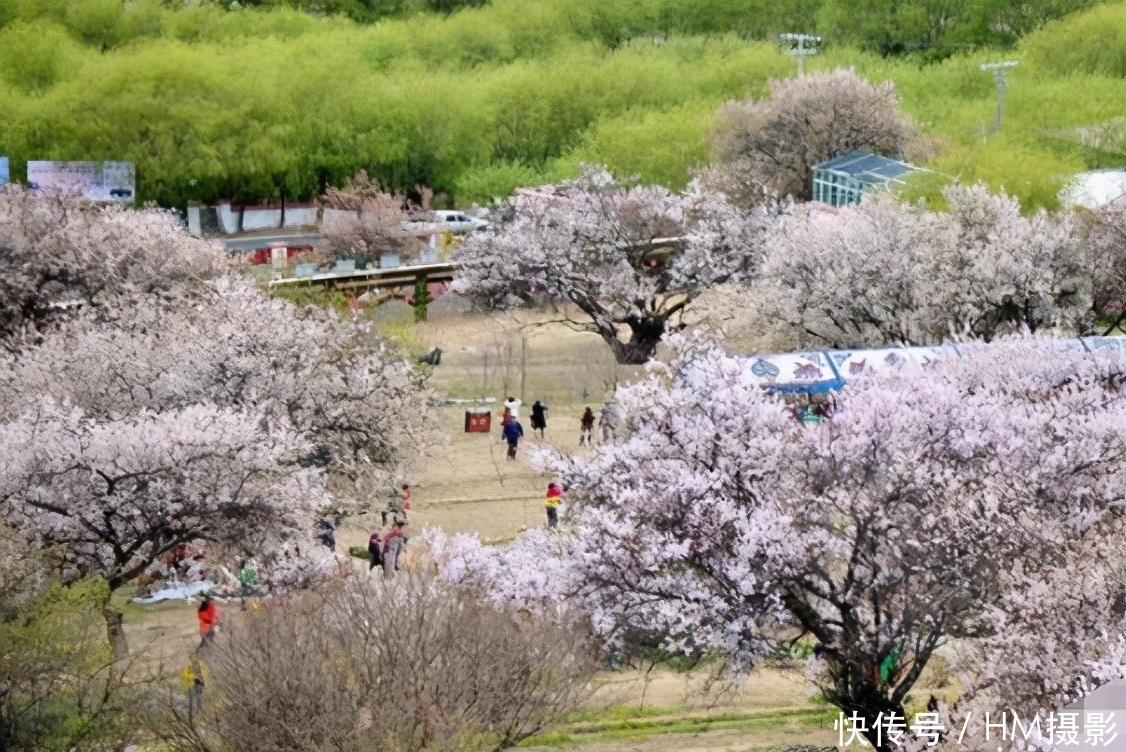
[(96, 181)]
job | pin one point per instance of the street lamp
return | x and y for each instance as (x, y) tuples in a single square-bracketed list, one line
[(1000, 70), (800, 45)]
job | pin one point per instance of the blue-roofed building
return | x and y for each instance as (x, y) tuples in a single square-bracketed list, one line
[(844, 180)]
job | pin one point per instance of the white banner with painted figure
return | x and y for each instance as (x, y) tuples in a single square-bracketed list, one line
[(97, 181)]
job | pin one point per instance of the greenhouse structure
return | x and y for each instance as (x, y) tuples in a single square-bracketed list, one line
[(844, 180)]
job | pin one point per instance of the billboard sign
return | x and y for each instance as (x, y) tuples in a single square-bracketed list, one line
[(97, 181), (4, 177)]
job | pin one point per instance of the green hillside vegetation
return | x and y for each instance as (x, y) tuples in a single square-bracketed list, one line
[(261, 102)]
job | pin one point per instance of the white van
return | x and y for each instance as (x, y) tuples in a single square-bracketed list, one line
[(458, 221)]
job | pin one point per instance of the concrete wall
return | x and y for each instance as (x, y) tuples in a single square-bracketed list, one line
[(195, 227), (259, 219), (297, 216), (264, 218)]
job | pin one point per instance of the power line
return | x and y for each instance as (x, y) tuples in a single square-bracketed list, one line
[(800, 46)]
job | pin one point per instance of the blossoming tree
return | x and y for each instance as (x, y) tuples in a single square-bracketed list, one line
[(887, 272), (56, 256), (630, 257), (190, 407), (969, 505), (775, 142)]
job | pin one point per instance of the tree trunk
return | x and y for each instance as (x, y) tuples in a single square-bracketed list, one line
[(858, 689), (115, 631), (645, 335)]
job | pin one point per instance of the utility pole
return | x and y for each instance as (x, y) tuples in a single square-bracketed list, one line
[(1000, 70), (800, 46)]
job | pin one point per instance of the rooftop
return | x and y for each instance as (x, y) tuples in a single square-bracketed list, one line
[(866, 167)]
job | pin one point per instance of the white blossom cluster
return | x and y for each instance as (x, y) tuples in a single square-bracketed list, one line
[(173, 401), (625, 255), (972, 507)]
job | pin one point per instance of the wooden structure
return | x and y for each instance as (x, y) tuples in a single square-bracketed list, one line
[(414, 278)]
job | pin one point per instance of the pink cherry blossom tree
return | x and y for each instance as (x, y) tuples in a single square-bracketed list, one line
[(1106, 240), (887, 272), (184, 406), (57, 254), (632, 258), (970, 506), (776, 141)]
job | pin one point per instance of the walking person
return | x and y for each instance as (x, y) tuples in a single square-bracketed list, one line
[(246, 579), (539, 418), (208, 615), (551, 503), (513, 432), (405, 497), (375, 548), (191, 681), (512, 404), (397, 505), (392, 548), (587, 427), (607, 420)]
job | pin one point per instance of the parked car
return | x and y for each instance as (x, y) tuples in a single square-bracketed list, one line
[(459, 221), (120, 193), (447, 220)]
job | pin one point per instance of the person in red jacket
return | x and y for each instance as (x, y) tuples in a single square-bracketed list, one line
[(208, 616), (551, 503)]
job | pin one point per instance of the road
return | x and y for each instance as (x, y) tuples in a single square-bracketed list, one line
[(244, 243)]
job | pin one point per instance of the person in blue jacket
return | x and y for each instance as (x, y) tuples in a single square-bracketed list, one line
[(512, 433)]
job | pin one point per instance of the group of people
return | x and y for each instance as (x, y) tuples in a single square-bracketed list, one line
[(607, 424), (511, 430), (809, 408), (385, 548)]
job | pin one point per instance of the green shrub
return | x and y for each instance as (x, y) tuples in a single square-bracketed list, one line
[(1090, 42)]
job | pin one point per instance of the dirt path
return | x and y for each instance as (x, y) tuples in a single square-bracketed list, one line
[(468, 485)]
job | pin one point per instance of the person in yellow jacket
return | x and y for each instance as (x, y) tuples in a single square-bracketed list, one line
[(191, 681), (551, 503)]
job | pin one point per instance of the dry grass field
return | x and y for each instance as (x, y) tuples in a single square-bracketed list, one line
[(466, 484)]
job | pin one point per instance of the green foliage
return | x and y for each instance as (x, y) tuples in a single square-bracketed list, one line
[(60, 691), (489, 183), (934, 29), (34, 56), (287, 97), (659, 146), (451, 6), (313, 295), (1092, 42)]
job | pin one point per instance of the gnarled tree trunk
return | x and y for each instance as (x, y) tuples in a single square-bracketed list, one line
[(115, 631), (645, 335)]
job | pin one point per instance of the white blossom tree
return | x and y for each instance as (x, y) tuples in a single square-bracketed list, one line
[(974, 504), (887, 272), (110, 497), (186, 407), (357, 410), (632, 258), (775, 142), (1106, 242), (57, 254), (370, 221)]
